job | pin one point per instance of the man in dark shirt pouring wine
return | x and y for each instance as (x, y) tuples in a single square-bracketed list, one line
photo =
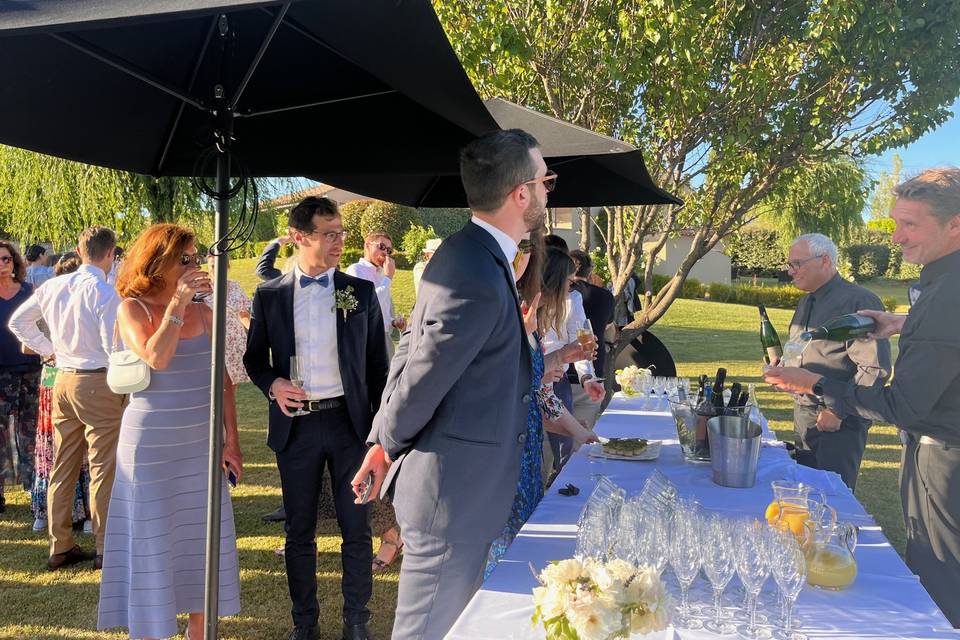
[(825, 439), (923, 399)]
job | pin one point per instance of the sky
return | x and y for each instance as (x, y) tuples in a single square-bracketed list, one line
[(936, 148)]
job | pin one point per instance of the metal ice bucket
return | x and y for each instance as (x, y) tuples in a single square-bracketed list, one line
[(734, 450)]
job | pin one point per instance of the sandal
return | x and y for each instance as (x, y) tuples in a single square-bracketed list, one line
[(380, 564)]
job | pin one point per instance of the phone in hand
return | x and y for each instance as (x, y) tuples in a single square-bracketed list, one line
[(231, 475), (367, 488)]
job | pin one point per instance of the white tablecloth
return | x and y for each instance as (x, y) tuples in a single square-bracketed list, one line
[(885, 601)]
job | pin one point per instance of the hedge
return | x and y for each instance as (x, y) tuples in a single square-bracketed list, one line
[(775, 297), (445, 221), (866, 261), (394, 219), (756, 252), (351, 214)]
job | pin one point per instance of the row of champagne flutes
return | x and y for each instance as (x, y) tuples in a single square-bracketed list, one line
[(657, 529), (657, 389)]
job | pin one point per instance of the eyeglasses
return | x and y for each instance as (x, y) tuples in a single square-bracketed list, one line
[(330, 236), (524, 246), (6, 259), (191, 258), (796, 264), (385, 248), (549, 180)]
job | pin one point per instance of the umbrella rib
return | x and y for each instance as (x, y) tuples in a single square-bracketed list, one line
[(277, 20), (433, 183), (124, 66), (296, 26), (266, 112), (182, 106)]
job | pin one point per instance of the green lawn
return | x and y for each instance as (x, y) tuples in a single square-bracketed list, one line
[(42, 605)]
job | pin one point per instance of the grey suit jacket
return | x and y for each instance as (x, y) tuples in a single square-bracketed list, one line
[(454, 411)]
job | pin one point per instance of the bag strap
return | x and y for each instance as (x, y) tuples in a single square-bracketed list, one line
[(116, 323)]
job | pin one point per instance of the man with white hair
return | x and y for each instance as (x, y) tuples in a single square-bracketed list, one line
[(823, 439)]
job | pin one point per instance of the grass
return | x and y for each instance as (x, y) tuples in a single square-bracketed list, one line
[(42, 605)]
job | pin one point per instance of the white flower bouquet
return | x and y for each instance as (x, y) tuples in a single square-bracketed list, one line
[(631, 380), (594, 600)]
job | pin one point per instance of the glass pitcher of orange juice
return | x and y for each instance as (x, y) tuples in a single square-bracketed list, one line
[(793, 504), (829, 547)]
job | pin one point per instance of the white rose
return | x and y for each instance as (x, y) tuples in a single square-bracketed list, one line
[(595, 618), (563, 571), (551, 600)]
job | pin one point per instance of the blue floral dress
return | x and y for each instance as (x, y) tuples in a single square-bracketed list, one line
[(530, 484)]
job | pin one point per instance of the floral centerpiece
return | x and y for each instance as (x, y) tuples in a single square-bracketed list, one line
[(631, 380), (594, 600)]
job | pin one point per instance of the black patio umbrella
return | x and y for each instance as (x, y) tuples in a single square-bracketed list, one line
[(242, 87), (593, 169)]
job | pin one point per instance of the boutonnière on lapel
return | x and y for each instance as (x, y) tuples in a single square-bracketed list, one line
[(345, 301)]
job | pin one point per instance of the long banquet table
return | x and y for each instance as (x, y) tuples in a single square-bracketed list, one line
[(885, 601)]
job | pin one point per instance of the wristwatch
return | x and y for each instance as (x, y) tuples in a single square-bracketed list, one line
[(817, 388)]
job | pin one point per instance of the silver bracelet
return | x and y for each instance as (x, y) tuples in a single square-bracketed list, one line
[(177, 320)]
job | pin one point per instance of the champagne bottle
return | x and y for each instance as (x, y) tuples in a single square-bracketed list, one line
[(841, 328), (772, 348), (735, 389), (705, 411), (743, 403)]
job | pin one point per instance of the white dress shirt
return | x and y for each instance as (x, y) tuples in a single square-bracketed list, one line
[(507, 245), (372, 273), (80, 308), (574, 319), (315, 335)]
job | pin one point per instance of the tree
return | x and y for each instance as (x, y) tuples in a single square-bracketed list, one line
[(881, 202), (726, 98)]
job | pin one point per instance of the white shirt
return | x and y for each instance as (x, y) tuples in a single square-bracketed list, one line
[(315, 337), (372, 273), (80, 308), (574, 319), (507, 245)]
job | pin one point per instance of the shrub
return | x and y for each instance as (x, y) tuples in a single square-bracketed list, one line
[(445, 221), (349, 256), (600, 266), (867, 261), (395, 219), (351, 214), (909, 271), (877, 232), (719, 292), (415, 239), (889, 303), (691, 288)]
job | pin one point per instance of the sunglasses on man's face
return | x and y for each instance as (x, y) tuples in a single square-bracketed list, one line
[(194, 259), (385, 249), (549, 180)]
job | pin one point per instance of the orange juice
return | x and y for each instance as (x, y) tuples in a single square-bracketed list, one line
[(831, 567), (792, 515)]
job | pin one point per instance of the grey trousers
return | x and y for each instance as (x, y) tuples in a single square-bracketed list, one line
[(930, 494), (437, 580), (838, 451)]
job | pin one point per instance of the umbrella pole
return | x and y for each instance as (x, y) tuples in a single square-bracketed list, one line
[(217, 381)]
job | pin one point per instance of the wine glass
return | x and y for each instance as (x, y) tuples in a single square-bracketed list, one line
[(684, 553), (719, 565), (297, 366), (753, 568), (586, 337), (652, 541), (789, 568)]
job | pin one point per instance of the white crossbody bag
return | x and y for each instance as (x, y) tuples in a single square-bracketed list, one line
[(127, 372)]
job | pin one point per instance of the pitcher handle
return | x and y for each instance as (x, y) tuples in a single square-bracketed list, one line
[(849, 536)]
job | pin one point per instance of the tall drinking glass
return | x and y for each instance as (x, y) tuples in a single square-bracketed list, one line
[(297, 366)]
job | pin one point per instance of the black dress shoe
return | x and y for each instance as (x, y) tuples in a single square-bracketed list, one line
[(275, 516), (68, 558), (98, 563), (303, 633), (356, 632)]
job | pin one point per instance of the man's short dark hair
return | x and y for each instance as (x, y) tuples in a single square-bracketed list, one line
[(494, 164), (96, 242), (584, 264), (301, 216), (34, 252)]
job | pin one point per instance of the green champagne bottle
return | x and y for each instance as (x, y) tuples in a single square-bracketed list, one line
[(841, 328), (772, 348)]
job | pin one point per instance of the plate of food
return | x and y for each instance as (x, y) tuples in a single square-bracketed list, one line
[(626, 449)]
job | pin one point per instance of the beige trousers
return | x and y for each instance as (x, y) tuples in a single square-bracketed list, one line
[(86, 416)]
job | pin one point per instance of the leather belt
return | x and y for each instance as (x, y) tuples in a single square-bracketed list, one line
[(72, 370), (323, 405)]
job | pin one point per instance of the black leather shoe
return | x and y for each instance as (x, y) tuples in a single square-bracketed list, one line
[(356, 632), (275, 516), (68, 558), (304, 633)]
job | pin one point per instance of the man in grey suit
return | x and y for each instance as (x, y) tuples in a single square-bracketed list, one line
[(453, 415)]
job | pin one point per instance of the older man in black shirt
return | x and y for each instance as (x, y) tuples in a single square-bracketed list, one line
[(924, 397), (825, 440)]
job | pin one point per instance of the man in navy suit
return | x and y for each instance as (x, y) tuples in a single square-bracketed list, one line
[(333, 322)]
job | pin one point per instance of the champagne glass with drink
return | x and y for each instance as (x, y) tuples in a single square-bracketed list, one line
[(585, 336), (297, 366)]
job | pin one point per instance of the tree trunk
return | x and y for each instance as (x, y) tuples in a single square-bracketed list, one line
[(586, 230)]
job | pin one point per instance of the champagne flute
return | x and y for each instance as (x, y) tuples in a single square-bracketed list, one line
[(585, 336), (297, 365)]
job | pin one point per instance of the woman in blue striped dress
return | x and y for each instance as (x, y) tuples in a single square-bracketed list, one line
[(153, 563)]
